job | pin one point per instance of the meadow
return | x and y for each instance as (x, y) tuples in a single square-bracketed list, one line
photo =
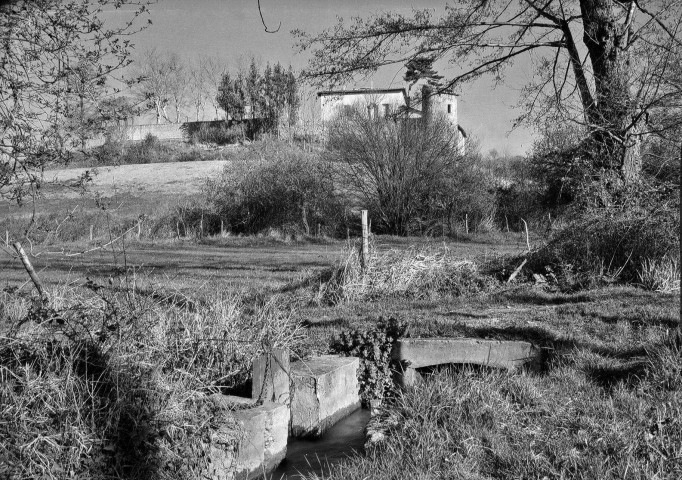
[(606, 404)]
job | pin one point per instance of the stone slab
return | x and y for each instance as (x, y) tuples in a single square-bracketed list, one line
[(425, 352), (271, 376), (323, 391)]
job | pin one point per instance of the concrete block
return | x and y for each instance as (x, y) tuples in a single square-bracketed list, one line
[(323, 390), (425, 352), (271, 376), (253, 440)]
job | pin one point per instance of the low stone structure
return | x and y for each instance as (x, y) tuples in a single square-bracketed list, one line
[(413, 353), (323, 390), (262, 443), (303, 398), (271, 377)]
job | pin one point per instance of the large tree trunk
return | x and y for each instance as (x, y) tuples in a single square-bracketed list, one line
[(616, 134)]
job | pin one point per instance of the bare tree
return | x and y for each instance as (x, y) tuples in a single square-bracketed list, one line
[(601, 63), (162, 84), (401, 169), (213, 69)]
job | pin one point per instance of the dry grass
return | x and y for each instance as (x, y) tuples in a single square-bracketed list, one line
[(112, 381), (660, 275), (414, 273)]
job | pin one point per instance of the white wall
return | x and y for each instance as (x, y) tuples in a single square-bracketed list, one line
[(331, 104)]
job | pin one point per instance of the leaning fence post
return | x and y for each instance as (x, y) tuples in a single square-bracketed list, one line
[(31, 272), (365, 240)]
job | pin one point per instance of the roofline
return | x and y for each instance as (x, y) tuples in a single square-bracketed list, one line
[(363, 91)]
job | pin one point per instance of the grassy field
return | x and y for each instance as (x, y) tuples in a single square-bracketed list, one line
[(607, 404)]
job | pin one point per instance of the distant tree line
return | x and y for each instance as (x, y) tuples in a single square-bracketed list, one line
[(271, 95), (176, 91)]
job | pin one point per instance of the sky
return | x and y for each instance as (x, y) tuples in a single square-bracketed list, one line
[(232, 29)]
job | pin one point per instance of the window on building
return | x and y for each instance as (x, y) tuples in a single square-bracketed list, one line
[(387, 109), (449, 108)]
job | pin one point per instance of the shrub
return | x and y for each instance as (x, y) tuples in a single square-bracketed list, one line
[(219, 135), (404, 172), (286, 188), (149, 150), (611, 244)]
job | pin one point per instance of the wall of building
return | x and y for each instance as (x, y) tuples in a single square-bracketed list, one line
[(330, 105)]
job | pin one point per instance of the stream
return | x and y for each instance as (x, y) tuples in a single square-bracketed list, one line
[(305, 457)]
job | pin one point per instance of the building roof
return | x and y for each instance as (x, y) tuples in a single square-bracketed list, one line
[(362, 91)]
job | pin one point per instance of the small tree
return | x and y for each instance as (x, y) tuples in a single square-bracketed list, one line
[(400, 169), (56, 58)]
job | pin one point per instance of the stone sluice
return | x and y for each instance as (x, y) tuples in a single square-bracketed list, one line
[(307, 397), (299, 399)]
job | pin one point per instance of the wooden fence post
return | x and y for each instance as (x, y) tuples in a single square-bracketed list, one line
[(139, 228), (466, 223), (31, 272), (365, 241), (91, 231), (525, 226)]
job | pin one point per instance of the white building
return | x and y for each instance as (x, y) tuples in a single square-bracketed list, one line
[(383, 102)]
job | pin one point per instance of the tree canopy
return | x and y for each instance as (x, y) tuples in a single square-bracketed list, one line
[(607, 65)]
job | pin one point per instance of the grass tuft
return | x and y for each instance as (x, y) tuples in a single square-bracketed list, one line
[(661, 275), (414, 273)]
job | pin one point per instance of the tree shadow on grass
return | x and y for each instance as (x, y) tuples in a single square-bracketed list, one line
[(641, 321), (544, 298)]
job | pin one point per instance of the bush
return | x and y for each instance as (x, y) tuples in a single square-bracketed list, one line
[(404, 172), (219, 135), (286, 188), (611, 244)]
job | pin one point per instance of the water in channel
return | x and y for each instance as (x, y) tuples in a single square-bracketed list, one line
[(305, 457)]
